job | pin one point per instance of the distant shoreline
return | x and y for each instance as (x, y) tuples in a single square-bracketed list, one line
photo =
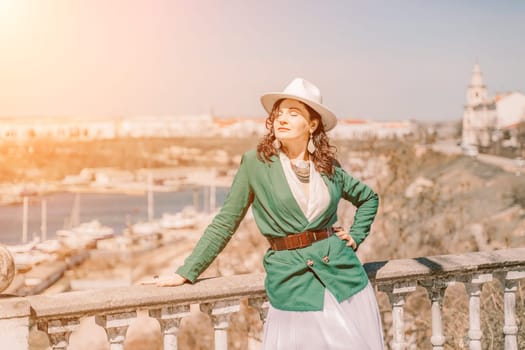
[(181, 178), (114, 191)]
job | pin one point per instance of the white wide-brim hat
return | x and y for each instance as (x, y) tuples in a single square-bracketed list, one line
[(306, 92)]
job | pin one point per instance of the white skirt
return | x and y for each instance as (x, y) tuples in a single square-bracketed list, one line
[(354, 323)]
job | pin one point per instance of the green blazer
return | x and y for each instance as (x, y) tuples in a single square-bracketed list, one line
[(291, 284)]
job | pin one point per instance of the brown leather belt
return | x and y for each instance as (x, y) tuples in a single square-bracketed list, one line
[(300, 240)]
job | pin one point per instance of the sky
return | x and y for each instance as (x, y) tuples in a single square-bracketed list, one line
[(377, 60)]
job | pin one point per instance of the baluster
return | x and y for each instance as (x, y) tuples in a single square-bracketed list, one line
[(169, 319), (396, 294), (220, 312), (262, 305), (436, 291), (116, 326), (58, 331), (509, 281), (473, 284)]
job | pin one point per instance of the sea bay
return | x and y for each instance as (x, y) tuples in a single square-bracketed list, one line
[(113, 210)]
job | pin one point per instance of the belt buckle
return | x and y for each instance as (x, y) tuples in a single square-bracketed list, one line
[(288, 243), (304, 241)]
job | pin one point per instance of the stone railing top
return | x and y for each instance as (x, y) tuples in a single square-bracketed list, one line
[(442, 266), (105, 301), (14, 307)]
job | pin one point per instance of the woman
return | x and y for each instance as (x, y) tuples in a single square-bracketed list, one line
[(318, 290)]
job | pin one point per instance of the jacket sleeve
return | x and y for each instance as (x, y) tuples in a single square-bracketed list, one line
[(222, 227), (366, 202)]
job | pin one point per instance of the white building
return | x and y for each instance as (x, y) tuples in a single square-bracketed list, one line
[(240, 127), (57, 128), (363, 129), (19, 129), (486, 117), (167, 126), (510, 109)]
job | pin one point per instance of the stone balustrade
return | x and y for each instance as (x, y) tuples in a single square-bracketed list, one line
[(115, 309)]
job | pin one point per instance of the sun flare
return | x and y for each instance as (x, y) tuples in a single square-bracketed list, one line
[(9, 12), (7, 6)]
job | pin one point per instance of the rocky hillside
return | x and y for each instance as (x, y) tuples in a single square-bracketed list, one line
[(438, 204)]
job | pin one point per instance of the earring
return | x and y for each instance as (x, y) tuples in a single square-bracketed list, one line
[(276, 144), (311, 146)]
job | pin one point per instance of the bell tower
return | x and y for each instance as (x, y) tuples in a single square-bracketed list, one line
[(476, 91), (479, 114)]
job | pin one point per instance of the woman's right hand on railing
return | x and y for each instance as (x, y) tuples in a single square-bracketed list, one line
[(166, 281)]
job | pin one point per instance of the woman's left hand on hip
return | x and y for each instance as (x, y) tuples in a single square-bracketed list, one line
[(345, 236)]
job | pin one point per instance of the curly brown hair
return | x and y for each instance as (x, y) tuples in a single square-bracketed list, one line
[(324, 154)]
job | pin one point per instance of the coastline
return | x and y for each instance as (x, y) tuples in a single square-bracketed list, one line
[(137, 183)]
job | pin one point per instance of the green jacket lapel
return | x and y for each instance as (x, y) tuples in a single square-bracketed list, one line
[(279, 182)]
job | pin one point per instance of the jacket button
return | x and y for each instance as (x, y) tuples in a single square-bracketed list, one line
[(326, 259), (310, 262)]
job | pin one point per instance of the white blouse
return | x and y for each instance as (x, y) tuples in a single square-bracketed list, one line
[(317, 202)]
